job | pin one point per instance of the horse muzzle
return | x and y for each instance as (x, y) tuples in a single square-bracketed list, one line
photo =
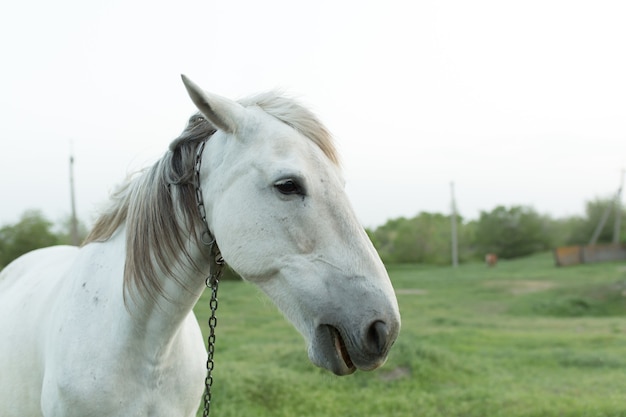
[(342, 350)]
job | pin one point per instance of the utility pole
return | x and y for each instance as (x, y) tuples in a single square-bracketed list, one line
[(600, 226), (73, 221), (618, 211), (455, 249), (617, 206)]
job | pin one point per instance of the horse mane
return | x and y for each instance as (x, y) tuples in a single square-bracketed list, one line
[(292, 113), (145, 205)]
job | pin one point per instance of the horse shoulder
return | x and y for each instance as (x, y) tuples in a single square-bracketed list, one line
[(99, 361), (25, 303), (121, 381)]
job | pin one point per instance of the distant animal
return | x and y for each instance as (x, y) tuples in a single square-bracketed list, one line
[(491, 259), (107, 329)]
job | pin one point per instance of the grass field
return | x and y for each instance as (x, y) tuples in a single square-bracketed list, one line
[(522, 339)]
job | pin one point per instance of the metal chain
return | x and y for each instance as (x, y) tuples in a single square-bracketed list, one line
[(206, 237), (208, 381), (216, 268)]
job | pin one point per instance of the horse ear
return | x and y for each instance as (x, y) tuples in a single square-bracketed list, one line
[(225, 114)]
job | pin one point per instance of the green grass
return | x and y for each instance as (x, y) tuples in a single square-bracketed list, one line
[(522, 339)]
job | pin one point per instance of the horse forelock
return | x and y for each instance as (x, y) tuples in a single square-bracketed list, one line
[(292, 113)]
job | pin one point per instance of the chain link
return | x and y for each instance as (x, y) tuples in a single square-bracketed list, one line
[(210, 364), (216, 268), (206, 237)]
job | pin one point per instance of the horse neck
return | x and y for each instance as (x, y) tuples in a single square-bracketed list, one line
[(157, 318)]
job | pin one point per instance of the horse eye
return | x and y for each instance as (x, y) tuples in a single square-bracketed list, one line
[(196, 119), (289, 187)]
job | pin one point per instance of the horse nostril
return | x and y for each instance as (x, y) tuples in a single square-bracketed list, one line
[(377, 336)]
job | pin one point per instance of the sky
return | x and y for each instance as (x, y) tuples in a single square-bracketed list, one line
[(517, 103)]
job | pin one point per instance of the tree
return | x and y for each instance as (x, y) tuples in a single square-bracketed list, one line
[(512, 232), (582, 231), (425, 238), (64, 230), (565, 231), (33, 231)]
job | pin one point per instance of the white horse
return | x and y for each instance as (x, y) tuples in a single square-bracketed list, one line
[(108, 329)]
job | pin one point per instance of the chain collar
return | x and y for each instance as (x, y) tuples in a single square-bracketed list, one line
[(216, 268), (207, 238)]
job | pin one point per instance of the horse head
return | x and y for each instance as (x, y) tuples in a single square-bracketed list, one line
[(275, 202)]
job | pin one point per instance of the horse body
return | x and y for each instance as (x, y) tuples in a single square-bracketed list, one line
[(94, 355), (108, 329), (27, 295)]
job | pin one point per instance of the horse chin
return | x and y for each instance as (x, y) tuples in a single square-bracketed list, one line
[(328, 350)]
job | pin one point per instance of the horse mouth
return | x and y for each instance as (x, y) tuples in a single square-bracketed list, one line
[(340, 348)]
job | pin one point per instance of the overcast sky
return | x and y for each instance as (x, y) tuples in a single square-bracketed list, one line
[(517, 102)]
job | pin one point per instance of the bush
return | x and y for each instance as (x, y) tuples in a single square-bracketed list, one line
[(512, 232), (33, 231)]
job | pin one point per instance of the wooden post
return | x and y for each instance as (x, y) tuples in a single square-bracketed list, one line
[(455, 249), (600, 226), (74, 221), (618, 211), (617, 206)]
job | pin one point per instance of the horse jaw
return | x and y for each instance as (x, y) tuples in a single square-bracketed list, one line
[(338, 338)]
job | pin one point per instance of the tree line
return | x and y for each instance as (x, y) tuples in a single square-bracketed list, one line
[(509, 232), (33, 231)]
